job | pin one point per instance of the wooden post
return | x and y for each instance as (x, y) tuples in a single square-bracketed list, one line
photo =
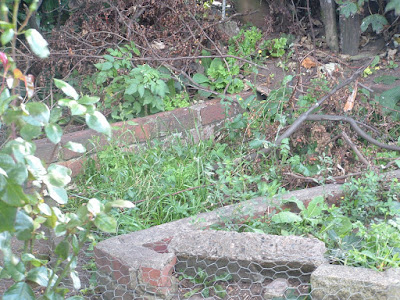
[(350, 33), (328, 8)]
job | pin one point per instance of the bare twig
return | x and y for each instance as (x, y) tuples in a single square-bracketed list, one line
[(356, 128), (326, 180), (355, 149), (303, 117)]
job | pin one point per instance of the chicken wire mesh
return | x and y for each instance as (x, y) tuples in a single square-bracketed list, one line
[(209, 264), (214, 256)]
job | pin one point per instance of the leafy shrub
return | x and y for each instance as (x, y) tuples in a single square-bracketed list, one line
[(31, 194), (130, 91), (217, 77)]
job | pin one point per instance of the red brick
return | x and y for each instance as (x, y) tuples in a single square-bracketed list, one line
[(159, 278), (160, 246)]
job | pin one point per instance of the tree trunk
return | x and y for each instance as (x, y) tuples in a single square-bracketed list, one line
[(328, 8), (350, 33)]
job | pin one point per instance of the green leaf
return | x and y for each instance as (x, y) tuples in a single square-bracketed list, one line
[(200, 78), (7, 216), (35, 166), (66, 102), (7, 36), (18, 173), (66, 88), (62, 249), (30, 132), (18, 291), (58, 194), (53, 132), (37, 43), (376, 21), (315, 207), (58, 175), (98, 122), (6, 162), (393, 4), (105, 223), (389, 100), (75, 298), (121, 204), (38, 275), (39, 114), (286, 217), (348, 8), (75, 280), (131, 89), (299, 203), (94, 206), (88, 100), (386, 79), (13, 194), (77, 109), (105, 66), (76, 147), (23, 226)]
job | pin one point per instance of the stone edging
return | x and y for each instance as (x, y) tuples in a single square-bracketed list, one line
[(140, 264), (198, 122)]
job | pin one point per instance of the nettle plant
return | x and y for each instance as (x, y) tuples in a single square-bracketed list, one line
[(25, 181), (130, 91)]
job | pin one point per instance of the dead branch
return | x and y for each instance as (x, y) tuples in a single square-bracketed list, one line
[(355, 149), (355, 127), (337, 179), (303, 117)]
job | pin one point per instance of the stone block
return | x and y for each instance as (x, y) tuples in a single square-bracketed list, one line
[(255, 254), (331, 282)]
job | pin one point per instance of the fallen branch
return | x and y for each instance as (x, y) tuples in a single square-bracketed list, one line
[(356, 128), (303, 117), (326, 180), (355, 149)]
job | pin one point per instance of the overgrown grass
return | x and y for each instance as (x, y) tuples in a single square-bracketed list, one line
[(171, 182), (364, 231)]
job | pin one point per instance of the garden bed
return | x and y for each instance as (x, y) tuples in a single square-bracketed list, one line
[(148, 263)]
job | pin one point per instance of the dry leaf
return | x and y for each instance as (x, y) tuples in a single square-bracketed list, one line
[(308, 63), (30, 85), (350, 100)]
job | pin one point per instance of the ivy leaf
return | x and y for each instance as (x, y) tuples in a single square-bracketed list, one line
[(393, 4), (66, 88), (376, 21), (7, 216), (18, 291), (37, 43), (105, 223), (98, 122), (38, 275), (53, 132), (76, 147), (23, 226)]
